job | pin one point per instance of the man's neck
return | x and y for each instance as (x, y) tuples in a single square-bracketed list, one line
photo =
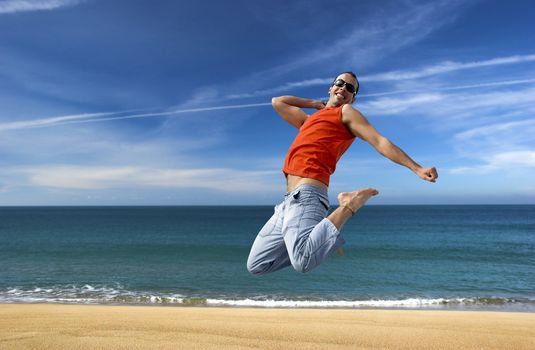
[(329, 104)]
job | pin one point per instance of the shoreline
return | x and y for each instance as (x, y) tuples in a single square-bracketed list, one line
[(470, 304), (498, 308), (67, 326)]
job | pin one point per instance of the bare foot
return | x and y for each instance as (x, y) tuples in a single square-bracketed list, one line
[(356, 199)]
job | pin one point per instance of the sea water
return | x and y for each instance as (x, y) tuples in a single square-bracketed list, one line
[(447, 257)]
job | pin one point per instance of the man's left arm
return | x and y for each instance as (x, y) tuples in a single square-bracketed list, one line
[(360, 127)]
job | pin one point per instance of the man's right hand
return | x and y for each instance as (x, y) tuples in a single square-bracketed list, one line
[(318, 104)]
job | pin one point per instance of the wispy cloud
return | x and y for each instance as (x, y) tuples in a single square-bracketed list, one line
[(388, 105), (281, 88), (379, 106), (454, 106), (12, 6), (108, 116), (51, 121), (401, 75), (501, 136), (364, 43), (492, 131), (395, 28), (453, 87), (506, 147), (528, 126), (447, 67)]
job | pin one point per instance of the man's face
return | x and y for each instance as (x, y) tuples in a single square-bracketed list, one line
[(338, 95)]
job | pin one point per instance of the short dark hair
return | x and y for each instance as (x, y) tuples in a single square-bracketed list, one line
[(354, 76)]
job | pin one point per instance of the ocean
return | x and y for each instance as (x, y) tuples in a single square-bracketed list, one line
[(432, 257)]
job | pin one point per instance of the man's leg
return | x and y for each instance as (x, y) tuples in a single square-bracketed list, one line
[(350, 203), (268, 253), (310, 237)]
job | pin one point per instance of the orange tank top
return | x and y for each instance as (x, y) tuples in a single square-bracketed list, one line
[(321, 141)]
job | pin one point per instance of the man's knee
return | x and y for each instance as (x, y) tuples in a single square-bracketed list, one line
[(302, 265), (257, 268)]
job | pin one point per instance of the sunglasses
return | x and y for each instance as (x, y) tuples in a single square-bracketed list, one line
[(349, 87)]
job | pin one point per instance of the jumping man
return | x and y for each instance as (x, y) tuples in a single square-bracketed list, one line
[(300, 233)]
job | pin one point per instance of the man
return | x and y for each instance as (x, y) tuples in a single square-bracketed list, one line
[(299, 233)]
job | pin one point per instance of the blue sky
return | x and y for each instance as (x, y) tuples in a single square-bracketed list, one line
[(168, 102)]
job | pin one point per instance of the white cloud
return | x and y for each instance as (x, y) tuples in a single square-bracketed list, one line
[(12, 6), (493, 130), (459, 110), (456, 110), (504, 161), (387, 105), (107, 177), (79, 177)]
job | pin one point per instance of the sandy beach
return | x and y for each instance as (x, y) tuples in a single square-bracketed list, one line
[(35, 326)]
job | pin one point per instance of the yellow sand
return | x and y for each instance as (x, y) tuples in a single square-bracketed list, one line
[(132, 327)]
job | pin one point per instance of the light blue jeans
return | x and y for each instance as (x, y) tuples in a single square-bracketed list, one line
[(297, 234)]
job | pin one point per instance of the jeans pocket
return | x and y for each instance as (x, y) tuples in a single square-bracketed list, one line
[(271, 224), (324, 202)]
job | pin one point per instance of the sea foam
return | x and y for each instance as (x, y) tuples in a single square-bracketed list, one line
[(89, 294)]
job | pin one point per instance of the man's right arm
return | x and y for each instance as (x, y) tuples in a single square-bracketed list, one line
[(289, 108)]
